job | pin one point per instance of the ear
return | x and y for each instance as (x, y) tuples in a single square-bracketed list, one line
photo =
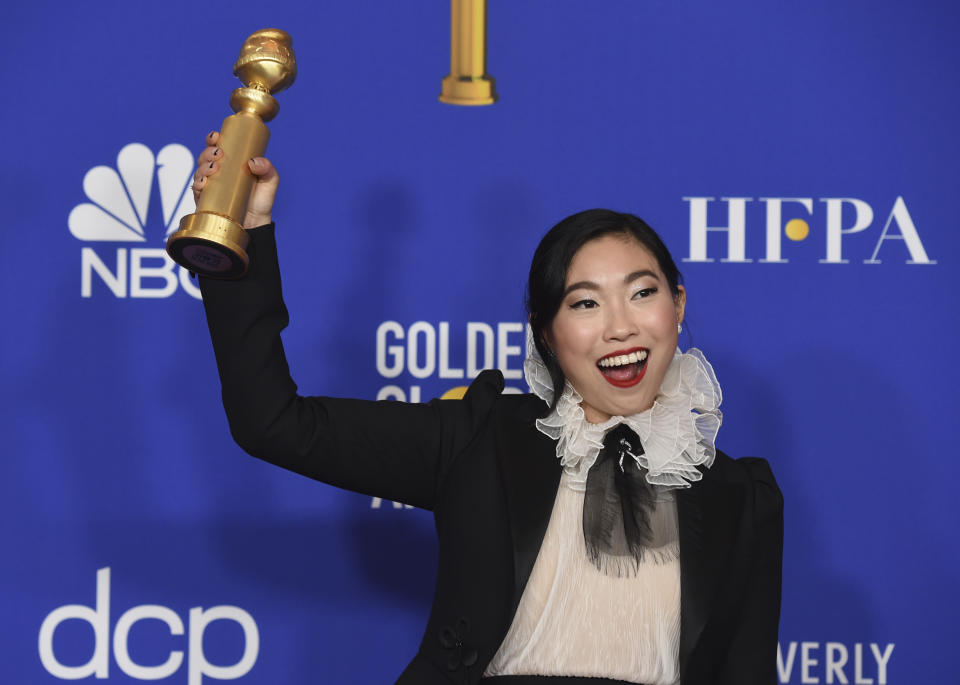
[(680, 302), (544, 337), (547, 342)]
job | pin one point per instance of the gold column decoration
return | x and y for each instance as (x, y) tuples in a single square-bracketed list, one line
[(468, 82), (212, 241)]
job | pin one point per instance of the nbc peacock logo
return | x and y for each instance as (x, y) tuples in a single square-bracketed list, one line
[(119, 210)]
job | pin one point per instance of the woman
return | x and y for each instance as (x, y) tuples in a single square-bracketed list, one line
[(589, 532)]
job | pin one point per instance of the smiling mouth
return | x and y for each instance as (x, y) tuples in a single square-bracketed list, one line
[(624, 368)]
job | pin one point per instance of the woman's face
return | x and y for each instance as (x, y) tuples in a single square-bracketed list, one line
[(616, 330)]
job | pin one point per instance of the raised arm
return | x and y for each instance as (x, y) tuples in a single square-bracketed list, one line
[(393, 450)]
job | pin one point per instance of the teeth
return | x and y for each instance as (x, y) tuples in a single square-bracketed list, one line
[(622, 359)]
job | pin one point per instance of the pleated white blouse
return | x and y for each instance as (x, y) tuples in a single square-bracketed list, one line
[(575, 619)]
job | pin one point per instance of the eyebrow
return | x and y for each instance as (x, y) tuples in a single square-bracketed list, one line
[(629, 278)]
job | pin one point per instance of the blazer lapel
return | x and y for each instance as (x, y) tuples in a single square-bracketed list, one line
[(708, 513), (531, 476)]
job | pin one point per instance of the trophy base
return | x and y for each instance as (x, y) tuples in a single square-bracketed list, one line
[(210, 245), (467, 90)]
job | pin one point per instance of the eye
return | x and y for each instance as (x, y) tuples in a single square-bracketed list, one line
[(644, 292), (583, 304)]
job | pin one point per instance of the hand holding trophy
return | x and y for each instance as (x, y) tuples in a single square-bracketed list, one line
[(212, 241)]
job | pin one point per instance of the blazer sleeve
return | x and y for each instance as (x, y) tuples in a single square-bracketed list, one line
[(752, 655), (389, 449)]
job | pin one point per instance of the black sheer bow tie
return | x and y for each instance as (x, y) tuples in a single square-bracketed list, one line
[(617, 505)]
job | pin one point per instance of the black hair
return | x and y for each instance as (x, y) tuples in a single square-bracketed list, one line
[(551, 261)]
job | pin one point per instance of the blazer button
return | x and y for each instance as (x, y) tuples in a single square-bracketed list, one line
[(452, 638)]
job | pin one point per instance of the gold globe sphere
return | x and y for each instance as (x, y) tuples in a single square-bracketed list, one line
[(267, 61)]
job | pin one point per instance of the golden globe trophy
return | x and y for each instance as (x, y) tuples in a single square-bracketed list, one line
[(468, 82), (212, 241)]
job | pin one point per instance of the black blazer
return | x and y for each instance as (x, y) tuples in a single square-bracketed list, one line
[(491, 477)]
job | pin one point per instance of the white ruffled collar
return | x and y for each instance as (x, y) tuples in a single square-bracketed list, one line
[(677, 432)]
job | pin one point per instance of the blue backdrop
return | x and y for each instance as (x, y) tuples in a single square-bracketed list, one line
[(799, 158)]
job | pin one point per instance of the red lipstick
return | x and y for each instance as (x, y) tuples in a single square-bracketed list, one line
[(625, 376)]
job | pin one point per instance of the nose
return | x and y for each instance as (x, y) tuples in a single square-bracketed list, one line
[(619, 325)]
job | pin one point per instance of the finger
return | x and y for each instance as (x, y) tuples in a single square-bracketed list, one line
[(262, 167), (210, 154), (199, 182), (209, 168), (200, 177), (211, 139)]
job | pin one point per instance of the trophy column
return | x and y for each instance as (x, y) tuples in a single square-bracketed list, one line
[(468, 82), (212, 241)]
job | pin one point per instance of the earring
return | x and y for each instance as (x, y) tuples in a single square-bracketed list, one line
[(679, 329)]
